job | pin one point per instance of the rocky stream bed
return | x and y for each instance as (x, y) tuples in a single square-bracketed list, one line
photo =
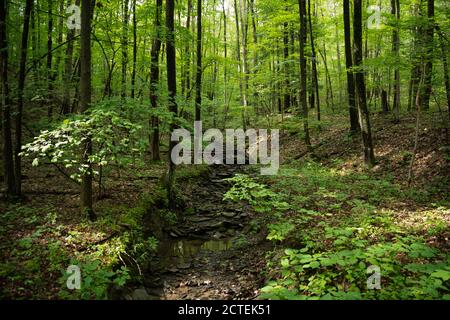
[(211, 254)]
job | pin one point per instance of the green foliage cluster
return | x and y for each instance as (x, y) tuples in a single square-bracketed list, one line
[(331, 227), (96, 281), (118, 131)]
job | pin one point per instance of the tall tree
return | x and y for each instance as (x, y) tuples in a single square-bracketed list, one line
[(124, 44), (238, 51), (395, 6), (315, 80), (7, 148), (255, 50), (287, 84), (154, 81), (364, 118), (243, 7), (186, 75), (445, 65), (133, 73), (429, 50), (303, 88), (225, 69), (198, 83), (68, 67), (20, 89), (354, 126), (172, 88), (50, 73), (85, 101)]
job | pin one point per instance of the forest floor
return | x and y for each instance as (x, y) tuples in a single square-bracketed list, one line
[(320, 207)]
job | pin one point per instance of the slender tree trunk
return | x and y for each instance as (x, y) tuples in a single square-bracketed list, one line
[(21, 86), (50, 73), (415, 58), (287, 83), (429, 50), (395, 4), (85, 101), (68, 68), (354, 126), (124, 47), (225, 69), (255, 51), (7, 148), (186, 81), (172, 87), (339, 64), (133, 74), (154, 81), (35, 43), (198, 83), (244, 26), (315, 81), (238, 50), (364, 118), (303, 89), (445, 64), (59, 41)]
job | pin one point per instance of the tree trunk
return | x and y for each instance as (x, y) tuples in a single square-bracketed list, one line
[(384, 102), (445, 64), (287, 95), (339, 64), (429, 50), (154, 81), (85, 101), (244, 26), (50, 73), (68, 67), (364, 118), (303, 92), (395, 4), (60, 40), (7, 148), (354, 126), (238, 50), (124, 45), (255, 51), (315, 81), (225, 69), (198, 83), (20, 89), (186, 81), (133, 74), (172, 87)]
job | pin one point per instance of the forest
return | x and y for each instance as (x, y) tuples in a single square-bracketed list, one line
[(120, 179)]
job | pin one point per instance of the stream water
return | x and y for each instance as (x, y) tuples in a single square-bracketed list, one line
[(179, 252)]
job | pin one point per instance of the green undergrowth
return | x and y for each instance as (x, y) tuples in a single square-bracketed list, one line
[(109, 252), (332, 227)]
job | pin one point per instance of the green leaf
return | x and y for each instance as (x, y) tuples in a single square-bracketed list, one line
[(441, 274)]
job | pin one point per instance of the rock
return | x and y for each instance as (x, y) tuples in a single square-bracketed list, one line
[(229, 214), (152, 282), (199, 219), (142, 294), (216, 225), (217, 235), (184, 266), (155, 292)]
